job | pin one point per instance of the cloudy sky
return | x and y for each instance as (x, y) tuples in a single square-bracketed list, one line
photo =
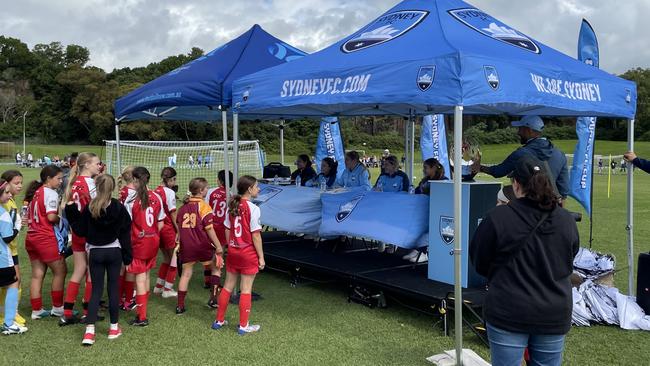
[(134, 33)]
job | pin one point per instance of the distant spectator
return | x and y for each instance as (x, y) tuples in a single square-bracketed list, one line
[(19, 158), (190, 161), (613, 166), (30, 159), (623, 166), (600, 165), (199, 160)]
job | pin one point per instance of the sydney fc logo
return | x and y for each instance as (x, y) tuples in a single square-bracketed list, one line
[(491, 27), (383, 29), (447, 229), (425, 77), (491, 76), (284, 52), (346, 209), (266, 193)]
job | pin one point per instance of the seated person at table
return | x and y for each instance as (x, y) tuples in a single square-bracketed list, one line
[(392, 179), (304, 171), (432, 170), (328, 169), (355, 173)]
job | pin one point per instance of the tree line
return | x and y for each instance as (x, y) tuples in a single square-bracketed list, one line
[(61, 99)]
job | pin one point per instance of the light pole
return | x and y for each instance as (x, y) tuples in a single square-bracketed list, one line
[(24, 116)]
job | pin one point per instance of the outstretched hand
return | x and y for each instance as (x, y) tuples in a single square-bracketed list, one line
[(629, 156)]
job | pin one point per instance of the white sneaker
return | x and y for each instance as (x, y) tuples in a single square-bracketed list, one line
[(412, 254), (40, 314), (424, 257), (381, 247), (169, 293), (157, 290), (250, 328), (57, 311), (15, 328)]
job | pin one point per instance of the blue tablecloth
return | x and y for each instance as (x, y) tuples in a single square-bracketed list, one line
[(290, 208)]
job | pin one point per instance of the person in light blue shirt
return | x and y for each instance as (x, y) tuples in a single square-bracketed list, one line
[(355, 173), (8, 277), (392, 179)]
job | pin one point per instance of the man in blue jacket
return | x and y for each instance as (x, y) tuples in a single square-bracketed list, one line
[(637, 162), (530, 134)]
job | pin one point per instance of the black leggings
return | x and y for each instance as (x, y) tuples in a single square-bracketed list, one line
[(102, 261)]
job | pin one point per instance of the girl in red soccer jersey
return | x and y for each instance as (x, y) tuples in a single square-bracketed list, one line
[(80, 189), (126, 192), (198, 241), (147, 215), (41, 243), (245, 254), (216, 198), (168, 235)]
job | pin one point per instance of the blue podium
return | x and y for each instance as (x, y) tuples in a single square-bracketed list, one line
[(478, 199)]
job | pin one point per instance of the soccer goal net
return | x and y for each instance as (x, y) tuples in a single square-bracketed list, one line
[(190, 158)]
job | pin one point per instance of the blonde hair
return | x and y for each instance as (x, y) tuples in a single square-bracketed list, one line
[(105, 185), (83, 159), (195, 188), (126, 177)]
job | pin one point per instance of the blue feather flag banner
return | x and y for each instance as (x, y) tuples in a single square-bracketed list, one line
[(330, 144), (583, 156), (433, 140)]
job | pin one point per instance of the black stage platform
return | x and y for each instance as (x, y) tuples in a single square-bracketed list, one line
[(367, 272)]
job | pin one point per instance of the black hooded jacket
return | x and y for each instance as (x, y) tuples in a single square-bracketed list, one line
[(530, 291), (114, 223)]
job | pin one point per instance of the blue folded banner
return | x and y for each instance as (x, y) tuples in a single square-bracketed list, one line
[(583, 156), (433, 140), (290, 208), (393, 218), (330, 144)]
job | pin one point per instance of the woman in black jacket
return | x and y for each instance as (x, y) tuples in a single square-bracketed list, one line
[(526, 250), (106, 225)]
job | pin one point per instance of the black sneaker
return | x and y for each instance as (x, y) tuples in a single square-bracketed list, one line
[(99, 318), (128, 307), (212, 303), (139, 323), (180, 310), (64, 320)]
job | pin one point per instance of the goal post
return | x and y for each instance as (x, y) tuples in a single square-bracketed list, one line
[(190, 158)]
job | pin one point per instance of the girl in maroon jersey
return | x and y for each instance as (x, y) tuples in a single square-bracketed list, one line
[(245, 254), (198, 241)]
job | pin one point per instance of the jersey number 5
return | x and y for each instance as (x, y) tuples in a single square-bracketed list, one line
[(189, 221), (238, 228)]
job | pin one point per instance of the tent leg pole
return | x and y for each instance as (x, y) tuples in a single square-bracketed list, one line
[(235, 145), (630, 211), (282, 142), (117, 149), (224, 125), (458, 295), (412, 148)]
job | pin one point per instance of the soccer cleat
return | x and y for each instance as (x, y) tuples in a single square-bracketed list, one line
[(99, 318), (20, 320), (169, 293), (57, 311), (180, 310), (114, 333), (139, 323), (412, 254), (64, 320), (218, 325), (129, 307), (423, 258), (40, 314), (157, 290), (249, 328), (89, 339), (213, 303), (13, 329)]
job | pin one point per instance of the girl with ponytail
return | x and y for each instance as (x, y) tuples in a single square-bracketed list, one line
[(41, 242), (198, 241), (126, 193), (147, 215), (245, 254), (168, 235), (80, 190)]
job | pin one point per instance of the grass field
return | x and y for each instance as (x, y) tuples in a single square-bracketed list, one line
[(314, 324)]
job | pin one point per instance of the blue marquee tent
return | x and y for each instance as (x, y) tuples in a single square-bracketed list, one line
[(201, 90), (439, 56)]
